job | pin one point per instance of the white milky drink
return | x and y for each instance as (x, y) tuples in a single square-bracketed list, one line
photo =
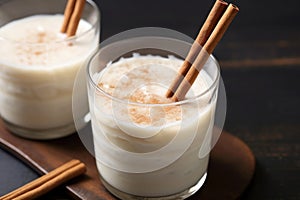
[(38, 65), (145, 144)]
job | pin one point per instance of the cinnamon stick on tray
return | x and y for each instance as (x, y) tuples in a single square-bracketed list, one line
[(198, 56), (47, 182)]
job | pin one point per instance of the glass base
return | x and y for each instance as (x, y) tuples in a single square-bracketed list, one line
[(40, 134), (181, 195)]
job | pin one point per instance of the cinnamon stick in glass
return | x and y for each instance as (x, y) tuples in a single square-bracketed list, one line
[(207, 28), (67, 15), (72, 16), (207, 49)]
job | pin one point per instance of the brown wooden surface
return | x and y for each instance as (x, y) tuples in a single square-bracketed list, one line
[(230, 170)]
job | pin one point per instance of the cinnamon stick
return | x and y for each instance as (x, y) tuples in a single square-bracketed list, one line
[(67, 15), (207, 49), (72, 16), (221, 28), (204, 33), (47, 182)]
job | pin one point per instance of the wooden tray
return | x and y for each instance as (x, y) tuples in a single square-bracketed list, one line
[(230, 169)]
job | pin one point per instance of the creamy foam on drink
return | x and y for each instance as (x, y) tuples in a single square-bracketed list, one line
[(30, 35), (144, 144), (38, 65)]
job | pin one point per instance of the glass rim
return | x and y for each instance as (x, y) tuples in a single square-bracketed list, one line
[(63, 40), (176, 103)]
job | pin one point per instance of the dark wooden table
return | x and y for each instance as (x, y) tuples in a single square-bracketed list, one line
[(260, 64)]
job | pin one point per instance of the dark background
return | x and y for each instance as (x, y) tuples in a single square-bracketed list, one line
[(260, 65)]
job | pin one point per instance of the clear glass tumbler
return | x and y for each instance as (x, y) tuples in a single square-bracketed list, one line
[(37, 75), (147, 147)]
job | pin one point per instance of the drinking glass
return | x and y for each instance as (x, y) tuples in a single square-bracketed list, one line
[(36, 99), (139, 153)]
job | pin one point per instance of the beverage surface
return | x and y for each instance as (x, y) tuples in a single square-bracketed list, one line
[(145, 80), (36, 41)]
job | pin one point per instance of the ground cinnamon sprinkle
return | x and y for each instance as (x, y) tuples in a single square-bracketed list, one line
[(136, 80), (41, 37), (38, 53), (138, 117), (144, 114)]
